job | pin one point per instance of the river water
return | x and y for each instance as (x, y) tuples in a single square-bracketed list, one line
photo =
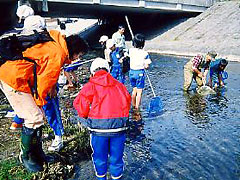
[(195, 138)]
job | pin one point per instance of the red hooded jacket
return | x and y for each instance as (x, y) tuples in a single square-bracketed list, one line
[(105, 102)]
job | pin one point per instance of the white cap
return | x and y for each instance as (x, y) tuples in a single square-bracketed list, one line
[(109, 43), (34, 22), (103, 38), (24, 11), (99, 63)]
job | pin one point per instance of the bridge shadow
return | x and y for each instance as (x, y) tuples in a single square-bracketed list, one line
[(150, 22), (154, 25), (150, 25)]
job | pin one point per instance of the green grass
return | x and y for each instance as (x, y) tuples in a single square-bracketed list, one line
[(76, 146), (12, 170)]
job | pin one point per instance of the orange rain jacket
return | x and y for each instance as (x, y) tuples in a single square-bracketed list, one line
[(50, 57)]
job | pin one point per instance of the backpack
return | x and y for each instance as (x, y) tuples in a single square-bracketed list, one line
[(12, 48)]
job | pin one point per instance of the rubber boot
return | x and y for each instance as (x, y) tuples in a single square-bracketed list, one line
[(27, 157), (41, 157)]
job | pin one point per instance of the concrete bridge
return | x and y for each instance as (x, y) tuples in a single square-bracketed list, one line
[(103, 7)]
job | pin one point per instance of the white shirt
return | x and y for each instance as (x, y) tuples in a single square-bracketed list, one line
[(138, 58), (119, 40)]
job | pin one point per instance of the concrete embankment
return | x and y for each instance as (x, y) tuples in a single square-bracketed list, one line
[(215, 29), (77, 26)]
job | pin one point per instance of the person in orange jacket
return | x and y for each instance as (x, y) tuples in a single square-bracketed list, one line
[(17, 80)]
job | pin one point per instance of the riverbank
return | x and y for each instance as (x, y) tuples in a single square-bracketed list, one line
[(76, 138), (215, 29)]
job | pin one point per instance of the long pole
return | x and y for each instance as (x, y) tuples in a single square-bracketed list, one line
[(130, 29), (77, 64), (150, 84)]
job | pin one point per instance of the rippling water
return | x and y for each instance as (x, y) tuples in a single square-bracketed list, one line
[(196, 137)]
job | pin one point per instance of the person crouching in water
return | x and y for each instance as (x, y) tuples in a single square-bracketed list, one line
[(116, 59), (193, 69), (216, 69), (139, 61), (16, 81), (105, 103)]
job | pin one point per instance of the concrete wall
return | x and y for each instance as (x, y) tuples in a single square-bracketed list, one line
[(98, 8), (189, 2), (124, 2)]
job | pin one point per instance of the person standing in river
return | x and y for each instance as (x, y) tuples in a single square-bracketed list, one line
[(116, 60), (27, 94), (105, 103), (119, 38), (193, 69), (120, 44), (139, 61)]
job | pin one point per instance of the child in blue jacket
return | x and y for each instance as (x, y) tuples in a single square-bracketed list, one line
[(216, 69), (117, 60)]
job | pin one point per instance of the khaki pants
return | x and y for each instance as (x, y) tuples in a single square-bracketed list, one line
[(189, 75), (24, 106)]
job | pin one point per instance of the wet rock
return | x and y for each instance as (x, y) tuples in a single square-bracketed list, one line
[(205, 90)]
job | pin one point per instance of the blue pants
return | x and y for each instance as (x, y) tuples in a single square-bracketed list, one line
[(117, 73), (53, 115), (104, 146)]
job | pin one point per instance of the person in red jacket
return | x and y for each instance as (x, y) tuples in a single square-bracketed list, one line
[(105, 103)]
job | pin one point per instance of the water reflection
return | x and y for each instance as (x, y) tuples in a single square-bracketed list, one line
[(138, 147), (196, 109), (135, 125), (219, 102), (200, 109)]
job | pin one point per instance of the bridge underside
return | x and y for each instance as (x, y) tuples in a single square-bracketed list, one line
[(75, 8)]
